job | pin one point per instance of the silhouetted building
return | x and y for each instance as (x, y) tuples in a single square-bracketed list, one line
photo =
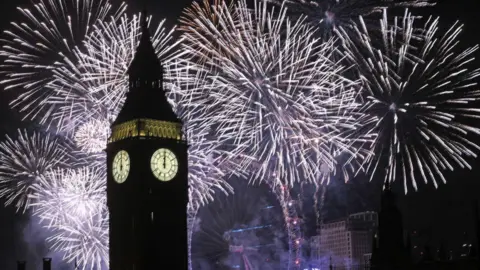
[(47, 264), (344, 243), (466, 249), (21, 265), (442, 253), (416, 242), (147, 188), (390, 251), (444, 260), (476, 214)]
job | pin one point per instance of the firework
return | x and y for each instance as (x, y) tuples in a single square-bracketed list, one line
[(329, 14), (201, 20), (205, 178), (272, 94), (207, 169), (25, 160), (69, 196), (423, 93), (83, 241), (92, 136), (71, 203), (31, 49), (292, 224)]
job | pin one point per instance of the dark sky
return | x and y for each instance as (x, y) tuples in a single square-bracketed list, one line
[(447, 209)]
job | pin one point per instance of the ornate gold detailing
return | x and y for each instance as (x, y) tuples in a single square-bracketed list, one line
[(146, 128)]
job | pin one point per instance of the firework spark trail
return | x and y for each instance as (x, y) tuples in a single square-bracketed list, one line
[(273, 103), (292, 224), (192, 226), (320, 191), (330, 14), (24, 160), (424, 95), (48, 32)]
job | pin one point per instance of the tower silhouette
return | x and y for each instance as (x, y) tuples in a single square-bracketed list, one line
[(390, 251), (147, 188)]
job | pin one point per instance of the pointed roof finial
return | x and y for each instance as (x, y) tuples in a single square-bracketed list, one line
[(145, 40), (144, 19), (145, 75)]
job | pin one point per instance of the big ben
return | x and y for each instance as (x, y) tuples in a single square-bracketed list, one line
[(147, 188)]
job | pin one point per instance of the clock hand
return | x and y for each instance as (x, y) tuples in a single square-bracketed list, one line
[(164, 161)]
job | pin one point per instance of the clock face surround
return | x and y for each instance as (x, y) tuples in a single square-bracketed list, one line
[(164, 164), (121, 166)]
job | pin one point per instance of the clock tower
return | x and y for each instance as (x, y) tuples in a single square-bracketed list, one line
[(147, 188)]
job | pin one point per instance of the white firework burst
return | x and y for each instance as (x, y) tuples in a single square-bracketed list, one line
[(207, 170), (32, 48), (419, 86), (83, 241), (326, 15), (92, 136), (71, 204), (24, 161), (275, 100), (69, 196), (205, 175)]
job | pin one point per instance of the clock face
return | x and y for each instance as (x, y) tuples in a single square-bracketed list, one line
[(164, 164), (121, 166)]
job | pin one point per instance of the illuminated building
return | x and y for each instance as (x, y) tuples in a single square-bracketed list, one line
[(147, 188), (345, 241)]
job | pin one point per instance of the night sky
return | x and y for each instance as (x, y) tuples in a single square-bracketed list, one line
[(445, 212)]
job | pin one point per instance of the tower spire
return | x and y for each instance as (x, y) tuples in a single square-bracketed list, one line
[(147, 161), (146, 66), (146, 97), (144, 15), (144, 23)]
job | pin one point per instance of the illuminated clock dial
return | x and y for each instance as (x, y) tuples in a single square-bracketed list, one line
[(164, 164), (121, 166)]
